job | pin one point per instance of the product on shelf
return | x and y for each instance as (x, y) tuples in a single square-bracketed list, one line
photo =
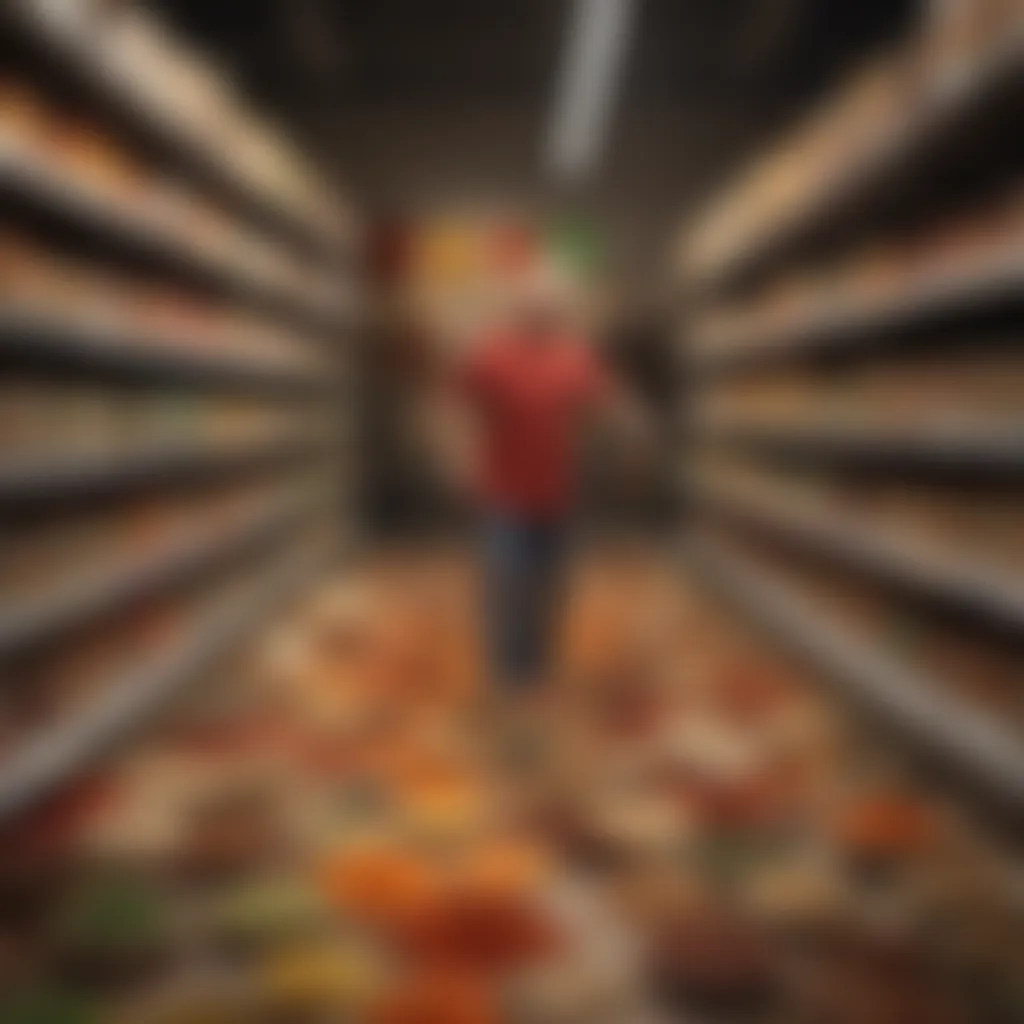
[(164, 267), (81, 156), (88, 306), (41, 419), (186, 101), (973, 531), (955, 658), (962, 259), (952, 405), (53, 561), (894, 104)]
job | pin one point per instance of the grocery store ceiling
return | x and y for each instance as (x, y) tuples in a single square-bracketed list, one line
[(421, 101)]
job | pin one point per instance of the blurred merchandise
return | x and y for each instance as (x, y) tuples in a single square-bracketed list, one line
[(858, 388), (796, 846), (253, 769)]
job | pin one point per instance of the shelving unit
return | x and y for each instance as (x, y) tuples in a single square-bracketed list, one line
[(130, 702), (981, 450), (931, 128), (978, 744), (977, 286), (88, 600), (33, 481), (89, 50), (936, 575), (30, 180), (765, 306), (71, 348), (199, 314)]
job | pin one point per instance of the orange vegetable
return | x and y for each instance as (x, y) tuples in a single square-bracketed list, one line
[(506, 867), (383, 885)]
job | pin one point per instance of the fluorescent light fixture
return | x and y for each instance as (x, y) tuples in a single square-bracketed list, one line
[(586, 90)]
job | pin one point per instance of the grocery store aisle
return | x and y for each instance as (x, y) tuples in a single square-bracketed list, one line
[(251, 768)]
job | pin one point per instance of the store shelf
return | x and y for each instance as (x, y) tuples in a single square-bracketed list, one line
[(949, 580), (130, 702), (87, 55), (103, 593), (27, 481), (935, 131), (972, 450), (34, 181), (982, 285), (48, 343), (966, 739)]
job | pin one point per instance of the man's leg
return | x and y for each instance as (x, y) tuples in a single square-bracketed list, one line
[(546, 565), (507, 571)]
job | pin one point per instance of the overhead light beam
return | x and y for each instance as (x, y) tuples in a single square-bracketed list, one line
[(587, 87)]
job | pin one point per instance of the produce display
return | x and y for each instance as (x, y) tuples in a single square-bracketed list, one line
[(346, 828)]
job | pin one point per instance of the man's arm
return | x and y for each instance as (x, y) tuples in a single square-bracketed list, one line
[(616, 405)]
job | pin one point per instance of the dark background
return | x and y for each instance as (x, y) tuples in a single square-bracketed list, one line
[(415, 102)]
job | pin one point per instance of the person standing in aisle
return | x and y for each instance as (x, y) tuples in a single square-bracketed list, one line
[(530, 386)]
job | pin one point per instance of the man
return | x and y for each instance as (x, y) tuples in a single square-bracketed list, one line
[(530, 387)]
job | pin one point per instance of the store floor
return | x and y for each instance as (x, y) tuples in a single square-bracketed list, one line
[(349, 826)]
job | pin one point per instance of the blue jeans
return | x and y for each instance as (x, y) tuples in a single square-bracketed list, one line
[(523, 561)]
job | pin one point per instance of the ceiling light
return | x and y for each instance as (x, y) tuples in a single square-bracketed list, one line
[(587, 86)]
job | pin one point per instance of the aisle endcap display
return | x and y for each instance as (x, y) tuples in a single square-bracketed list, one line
[(69, 748), (967, 739)]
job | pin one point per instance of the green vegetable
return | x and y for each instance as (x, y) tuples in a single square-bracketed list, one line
[(113, 915), (46, 1007)]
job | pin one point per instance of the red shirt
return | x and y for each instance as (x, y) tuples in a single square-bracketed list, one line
[(531, 399)]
